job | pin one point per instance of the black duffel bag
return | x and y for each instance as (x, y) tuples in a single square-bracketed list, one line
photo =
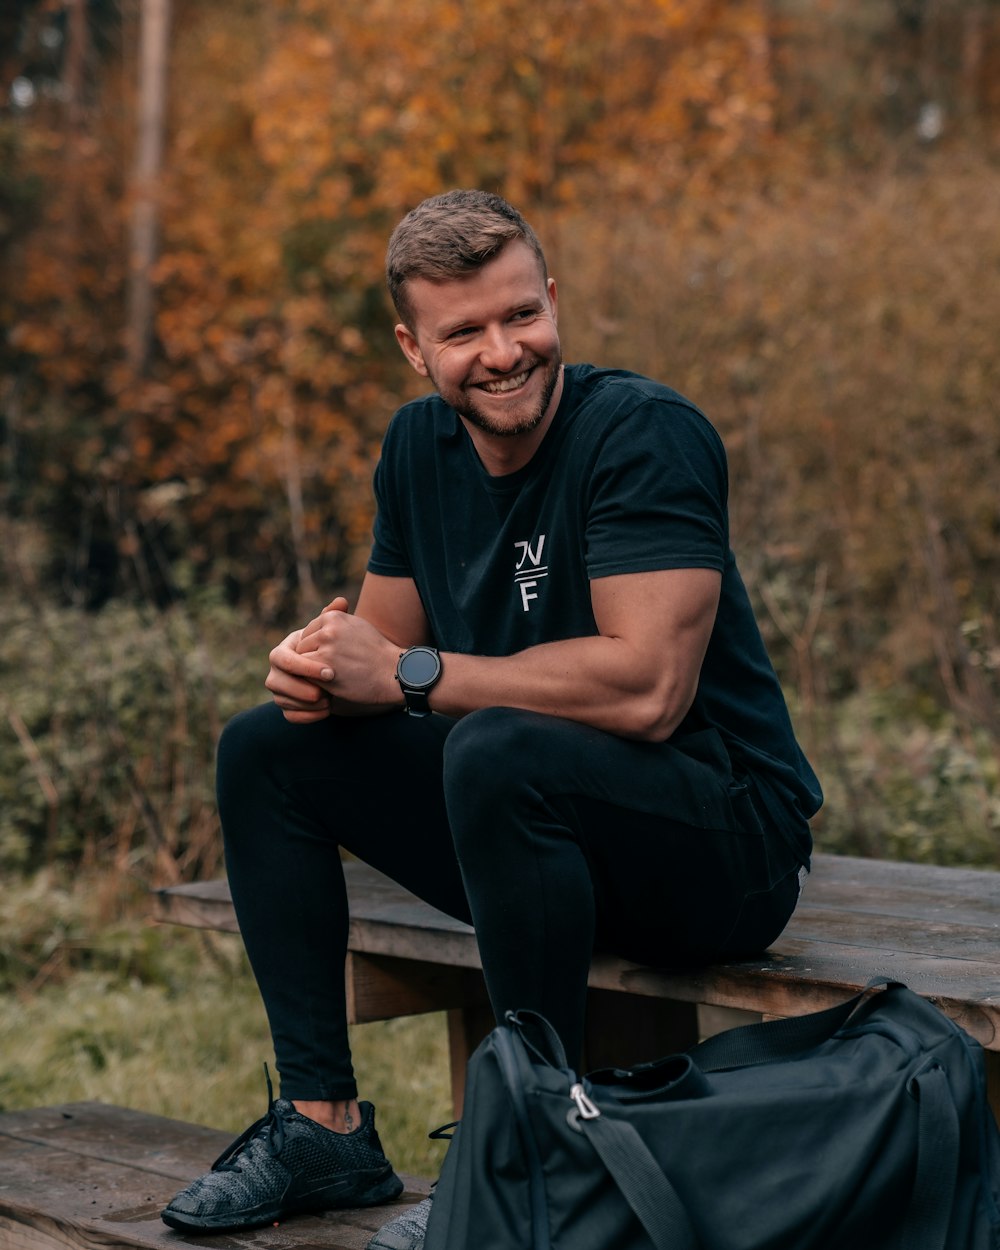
[(863, 1127)]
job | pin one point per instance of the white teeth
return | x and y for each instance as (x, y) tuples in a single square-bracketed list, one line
[(508, 384)]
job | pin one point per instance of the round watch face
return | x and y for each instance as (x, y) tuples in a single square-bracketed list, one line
[(419, 667)]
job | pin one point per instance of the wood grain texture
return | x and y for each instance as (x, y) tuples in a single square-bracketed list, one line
[(936, 929), (95, 1177)]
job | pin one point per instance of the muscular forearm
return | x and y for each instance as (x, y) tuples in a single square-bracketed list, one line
[(596, 680)]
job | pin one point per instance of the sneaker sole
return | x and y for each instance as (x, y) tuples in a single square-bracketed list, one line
[(330, 1199)]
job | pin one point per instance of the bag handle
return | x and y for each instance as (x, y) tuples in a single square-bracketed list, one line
[(538, 1036), (777, 1039), (925, 1225), (641, 1181)]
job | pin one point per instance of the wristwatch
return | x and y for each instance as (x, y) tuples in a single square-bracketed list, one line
[(418, 672)]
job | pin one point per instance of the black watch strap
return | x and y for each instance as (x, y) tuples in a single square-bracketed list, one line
[(417, 703), (418, 671)]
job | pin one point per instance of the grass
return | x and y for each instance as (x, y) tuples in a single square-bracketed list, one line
[(169, 1021)]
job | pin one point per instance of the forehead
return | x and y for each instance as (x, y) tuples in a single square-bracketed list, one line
[(511, 279)]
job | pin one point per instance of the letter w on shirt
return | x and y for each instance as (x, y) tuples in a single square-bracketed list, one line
[(529, 569)]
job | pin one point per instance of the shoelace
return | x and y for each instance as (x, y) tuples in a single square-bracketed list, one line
[(274, 1136)]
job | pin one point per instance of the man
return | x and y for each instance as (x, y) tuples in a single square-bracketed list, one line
[(550, 713)]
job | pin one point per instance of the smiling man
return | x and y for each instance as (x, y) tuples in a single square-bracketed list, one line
[(550, 713), (491, 348)]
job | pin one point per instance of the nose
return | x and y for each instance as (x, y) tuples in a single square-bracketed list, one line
[(500, 349)]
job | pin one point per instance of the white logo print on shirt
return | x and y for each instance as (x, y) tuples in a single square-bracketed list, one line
[(529, 569)]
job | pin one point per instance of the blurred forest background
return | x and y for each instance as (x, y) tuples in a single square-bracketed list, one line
[(787, 209)]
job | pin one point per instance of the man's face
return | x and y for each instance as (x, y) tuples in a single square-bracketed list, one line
[(488, 342)]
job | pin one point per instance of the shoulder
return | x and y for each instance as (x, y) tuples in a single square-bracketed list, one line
[(418, 429), (609, 401), (424, 415)]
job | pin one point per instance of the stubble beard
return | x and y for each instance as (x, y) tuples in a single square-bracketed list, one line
[(509, 429)]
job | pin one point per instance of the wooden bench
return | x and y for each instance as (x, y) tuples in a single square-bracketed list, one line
[(935, 929)]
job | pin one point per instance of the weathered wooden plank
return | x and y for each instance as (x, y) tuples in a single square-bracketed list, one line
[(934, 928), (118, 1135), (923, 936), (200, 905), (797, 977), (847, 884), (857, 872), (918, 891), (381, 987), (89, 1175)]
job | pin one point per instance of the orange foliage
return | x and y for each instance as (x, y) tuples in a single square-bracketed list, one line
[(300, 131)]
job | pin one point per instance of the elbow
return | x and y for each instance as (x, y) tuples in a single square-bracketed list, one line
[(656, 729), (655, 715)]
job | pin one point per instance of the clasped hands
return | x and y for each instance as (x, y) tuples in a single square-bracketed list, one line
[(338, 665)]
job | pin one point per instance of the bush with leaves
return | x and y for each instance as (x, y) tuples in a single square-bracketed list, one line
[(109, 724)]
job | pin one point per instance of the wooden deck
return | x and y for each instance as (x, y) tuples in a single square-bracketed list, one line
[(95, 1177)]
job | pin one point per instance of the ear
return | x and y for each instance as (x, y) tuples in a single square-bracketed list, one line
[(407, 340), (550, 287)]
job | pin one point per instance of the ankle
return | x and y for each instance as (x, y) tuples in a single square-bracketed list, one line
[(341, 1117)]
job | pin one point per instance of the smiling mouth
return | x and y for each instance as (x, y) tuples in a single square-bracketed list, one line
[(505, 384)]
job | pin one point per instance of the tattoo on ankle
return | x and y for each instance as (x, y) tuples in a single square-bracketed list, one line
[(348, 1121)]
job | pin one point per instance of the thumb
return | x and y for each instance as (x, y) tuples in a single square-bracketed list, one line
[(339, 604)]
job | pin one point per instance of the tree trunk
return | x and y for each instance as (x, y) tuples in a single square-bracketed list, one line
[(154, 26)]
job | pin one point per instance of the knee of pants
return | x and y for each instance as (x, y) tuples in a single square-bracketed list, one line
[(493, 762), (248, 762), (243, 743)]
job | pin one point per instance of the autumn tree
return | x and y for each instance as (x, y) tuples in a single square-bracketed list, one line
[(300, 133)]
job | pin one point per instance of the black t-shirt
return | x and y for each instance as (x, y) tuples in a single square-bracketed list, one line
[(630, 477)]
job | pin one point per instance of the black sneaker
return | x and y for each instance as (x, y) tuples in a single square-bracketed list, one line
[(407, 1231), (285, 1164)]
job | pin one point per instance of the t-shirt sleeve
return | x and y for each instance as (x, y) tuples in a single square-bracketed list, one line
[(658, 494), (388, 556)]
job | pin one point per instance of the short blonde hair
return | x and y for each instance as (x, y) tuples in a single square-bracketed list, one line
[(450, 235)]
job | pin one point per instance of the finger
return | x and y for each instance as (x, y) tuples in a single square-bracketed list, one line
[(339, 604), (306, 718), (297, 666), (284, 685), (286, 654)]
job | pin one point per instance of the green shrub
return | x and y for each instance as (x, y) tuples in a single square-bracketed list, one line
[(109, 730), (907, 781)]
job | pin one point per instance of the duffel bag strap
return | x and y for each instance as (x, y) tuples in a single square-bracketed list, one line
[(641, 1180), (925, 1225), (777, 1039)]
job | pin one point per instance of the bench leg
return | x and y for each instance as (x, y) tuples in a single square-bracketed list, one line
[(467, 1026), (624, 1029)]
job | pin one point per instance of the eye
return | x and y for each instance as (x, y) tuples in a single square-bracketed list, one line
[(462, 333)]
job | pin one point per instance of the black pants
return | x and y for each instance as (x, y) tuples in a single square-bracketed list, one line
[(552, 838)]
